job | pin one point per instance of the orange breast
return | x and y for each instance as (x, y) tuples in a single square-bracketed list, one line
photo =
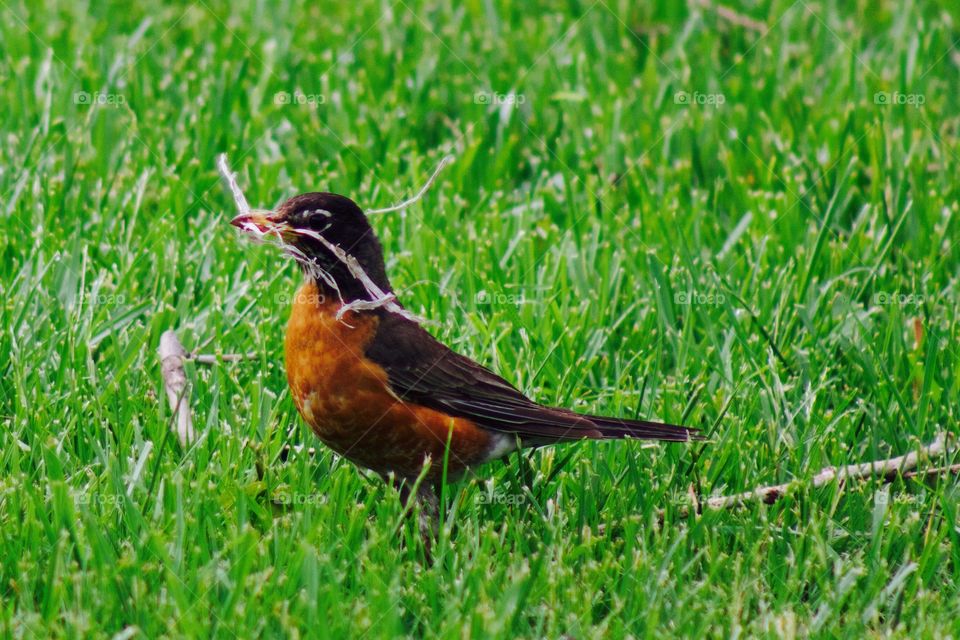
[(347, 400)]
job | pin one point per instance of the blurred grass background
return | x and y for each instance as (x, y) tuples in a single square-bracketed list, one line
[(738, 215)]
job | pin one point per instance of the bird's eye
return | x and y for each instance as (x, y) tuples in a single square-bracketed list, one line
[(314, 217)]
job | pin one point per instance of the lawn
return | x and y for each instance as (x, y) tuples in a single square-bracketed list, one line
[(739, 216)]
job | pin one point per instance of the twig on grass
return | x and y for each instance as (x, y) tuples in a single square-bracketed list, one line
[(733, 17), (172, 355), (933, 472), (888, 470)]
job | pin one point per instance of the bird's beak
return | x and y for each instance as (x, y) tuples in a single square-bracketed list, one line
[(261, 222)]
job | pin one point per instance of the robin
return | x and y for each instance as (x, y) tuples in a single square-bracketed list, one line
[(380, 390)]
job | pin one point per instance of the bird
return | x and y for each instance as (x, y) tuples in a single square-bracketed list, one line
[(380, 390)]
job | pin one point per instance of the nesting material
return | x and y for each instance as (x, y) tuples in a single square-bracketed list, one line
[(378, 298)]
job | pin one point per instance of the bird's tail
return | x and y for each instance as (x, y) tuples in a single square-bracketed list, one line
[(614, 428)]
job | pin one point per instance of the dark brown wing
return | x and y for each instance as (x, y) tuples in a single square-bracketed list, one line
[(426, 372)]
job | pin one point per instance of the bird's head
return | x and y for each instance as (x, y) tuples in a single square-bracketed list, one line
[(323, 232)]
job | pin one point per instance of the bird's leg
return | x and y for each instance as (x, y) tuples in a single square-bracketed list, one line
[(426, 498), (429, 518)]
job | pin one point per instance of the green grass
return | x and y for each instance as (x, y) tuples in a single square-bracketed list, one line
[(779, 269)]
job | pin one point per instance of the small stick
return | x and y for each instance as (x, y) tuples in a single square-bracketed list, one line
[(740, 20), (731, 16), (888, 470), (172, 354), (933, 472)]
